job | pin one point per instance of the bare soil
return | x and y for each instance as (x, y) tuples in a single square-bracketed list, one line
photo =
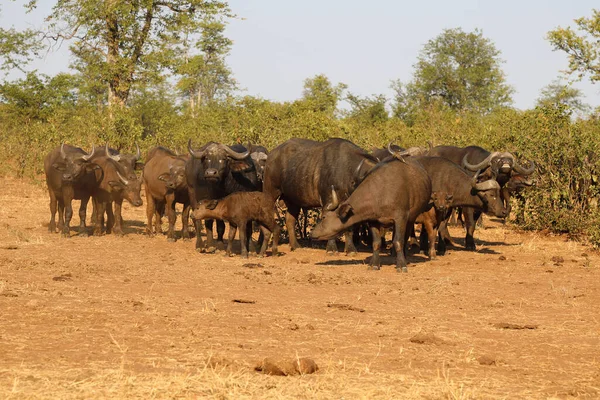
[(139, 317)]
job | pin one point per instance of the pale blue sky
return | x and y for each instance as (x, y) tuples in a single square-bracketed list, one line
[(366, 44)]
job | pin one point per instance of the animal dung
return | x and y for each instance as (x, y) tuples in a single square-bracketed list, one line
[(298, 366)]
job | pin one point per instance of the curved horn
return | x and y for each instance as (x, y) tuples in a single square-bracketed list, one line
[(138, 153), (116, 157), (125, 181), (234, 154), (474, 179), (357, 170), (63, 154), (397, 154), (524, 171), (87, 157), (412, 151), (482, 165), (334, 200), (429, 145), (193, 153)]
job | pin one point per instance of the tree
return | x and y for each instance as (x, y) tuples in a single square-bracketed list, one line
[(368, 109), (461, 69), (206, 76), (583, 47), (559, 94), (17, 48), (124, 39), (321, 94)]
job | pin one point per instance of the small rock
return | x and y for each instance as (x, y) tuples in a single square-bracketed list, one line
[(427, 338), (253, 265), (502, 258), (557, 260), (294, 327), (63, 277), (306, 366), (310, 327), (301, 366)]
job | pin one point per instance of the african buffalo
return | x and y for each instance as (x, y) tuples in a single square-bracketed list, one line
[(302, 172), (210, 175), (393, 193), (239, 209), (113, 187), (70, 175), (165, 185), (466, 191), (496, 165)]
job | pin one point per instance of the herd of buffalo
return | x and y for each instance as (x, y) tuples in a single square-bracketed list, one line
[(387, 188)]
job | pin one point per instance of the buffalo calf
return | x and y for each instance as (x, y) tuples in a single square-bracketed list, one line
[(239, 209)]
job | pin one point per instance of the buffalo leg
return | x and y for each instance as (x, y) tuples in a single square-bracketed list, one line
[(376, 239), (276, 231), (431, 230), (53, 208), (110, 218), (399, 242), (82, 215), (230, 239), (100, 209), (210, 239), (159, 210), (61, 215), (118, 218), (470, 223), (198, 228), (244, 238), (68, 195), (266, 239), (150, 209), (185, 221), (220, 234), (349, 247), (291, 216), (171, 216)]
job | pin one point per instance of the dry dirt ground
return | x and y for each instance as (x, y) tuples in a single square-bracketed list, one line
[(138, 317)]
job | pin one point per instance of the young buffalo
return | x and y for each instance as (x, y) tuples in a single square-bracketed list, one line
[(239, 209)]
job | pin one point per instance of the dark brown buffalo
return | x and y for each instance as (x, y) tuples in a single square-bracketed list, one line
[(70, 176), (130, 163), (466, 191), (430, 220), (302, 172), (239, 209), (394, 193), (259, 155), (165, 185), (492, 165), (113, 187), (209, 175)]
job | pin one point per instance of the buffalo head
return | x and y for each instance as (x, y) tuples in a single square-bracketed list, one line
[(499, 163), (175, 178), (489, 193), (73, 164), (217, 159)]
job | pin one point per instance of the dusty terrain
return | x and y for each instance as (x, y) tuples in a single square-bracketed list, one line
[(138, 317)]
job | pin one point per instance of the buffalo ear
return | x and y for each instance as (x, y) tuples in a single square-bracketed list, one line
[(211, 204), (240, 166), (59, 166), (344, 210), (115, 185), (92, 166), (139, 166), (163, 177)]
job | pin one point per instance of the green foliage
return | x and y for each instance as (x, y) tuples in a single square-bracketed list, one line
[(369, 110), (558, 94), (458, 69), (17, 48), (322, 96), (582, 47)]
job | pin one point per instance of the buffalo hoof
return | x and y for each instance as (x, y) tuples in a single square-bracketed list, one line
[(330, 253), (199, 250), (352, 254), (230, 254), (401, 269), (374, 268), (244, 256), (186, 237), (470, 247), (171, 239), (65, 234), (84, 233), (52, 228), (211, 250)]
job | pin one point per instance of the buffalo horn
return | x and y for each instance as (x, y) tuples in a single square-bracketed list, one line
[(234, 154), (62, 151), (334, 200), (125, 181), (87, 157), (138, 153), (397, 154), (116, 157), (193, 153), (357, 171), (524, 171), (482, 165)]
